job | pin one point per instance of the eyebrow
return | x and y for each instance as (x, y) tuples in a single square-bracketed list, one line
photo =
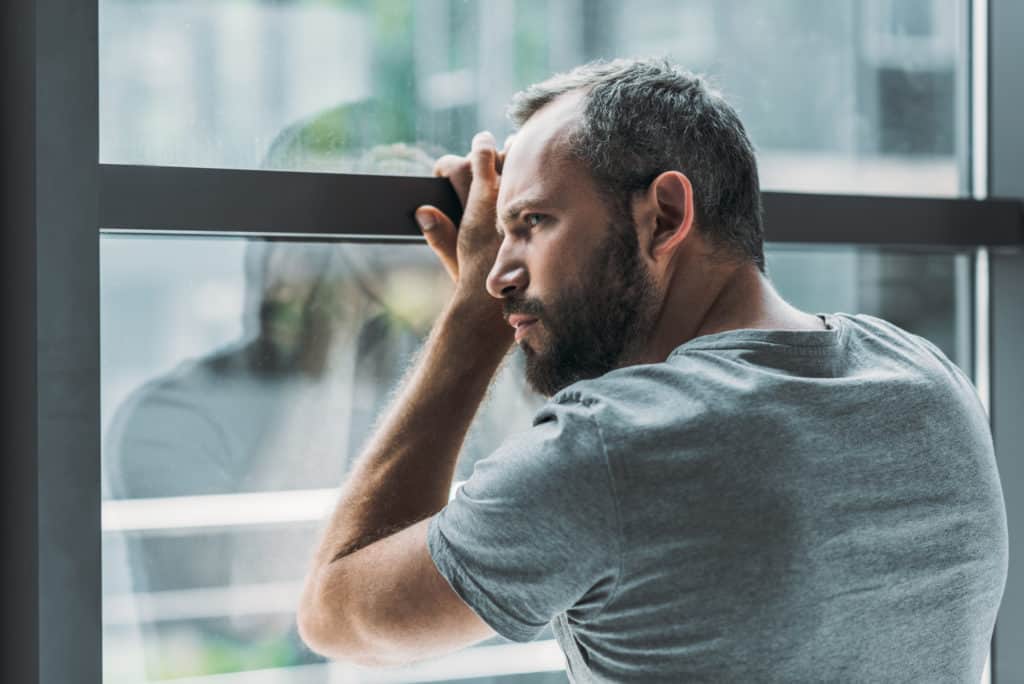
[(512, 212)]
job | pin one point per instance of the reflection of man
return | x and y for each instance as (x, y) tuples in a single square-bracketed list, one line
[(720, 488), (285, 408), (304, 317), (280, 410)]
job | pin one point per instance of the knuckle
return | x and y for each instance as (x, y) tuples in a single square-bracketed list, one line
[(484, 144), (448, 164), (483, 136), (439, 245)]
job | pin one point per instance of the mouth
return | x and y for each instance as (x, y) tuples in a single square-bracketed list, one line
[(521, 323)]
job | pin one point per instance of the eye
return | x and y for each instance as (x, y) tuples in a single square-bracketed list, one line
[(533, 220)]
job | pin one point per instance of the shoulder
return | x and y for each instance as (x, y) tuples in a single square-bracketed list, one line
[(641, 393), (183, 406), (881, 334), (564, 437), (883, 338), (637, 409), (917, 368)]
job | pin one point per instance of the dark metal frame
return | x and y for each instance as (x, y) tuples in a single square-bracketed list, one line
[(56, 197), (50, 437), (19, 583), (146, 198), (1006, 177)]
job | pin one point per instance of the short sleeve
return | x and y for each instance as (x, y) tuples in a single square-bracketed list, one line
[(161, 443), (535, 531)]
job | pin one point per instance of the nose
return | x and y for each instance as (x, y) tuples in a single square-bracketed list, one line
[(508, 276)]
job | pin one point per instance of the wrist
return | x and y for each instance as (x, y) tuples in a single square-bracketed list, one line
[(480, 318)]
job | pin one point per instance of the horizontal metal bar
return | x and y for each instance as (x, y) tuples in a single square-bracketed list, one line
[(272, 202), (367, 207), (857, 219)]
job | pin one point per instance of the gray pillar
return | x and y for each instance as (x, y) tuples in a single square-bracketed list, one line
[(1008, 429), (18, 518), (1006, 179), (49, 253)]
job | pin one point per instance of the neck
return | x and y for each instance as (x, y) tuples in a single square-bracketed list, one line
[(714, 298)]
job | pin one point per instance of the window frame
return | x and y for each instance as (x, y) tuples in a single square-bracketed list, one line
[(57, 199), (182, 200), (1003, 169)]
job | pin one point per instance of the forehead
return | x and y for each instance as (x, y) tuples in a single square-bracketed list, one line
[(537, 165), (294, 262)]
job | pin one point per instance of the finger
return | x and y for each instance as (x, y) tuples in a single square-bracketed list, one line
[(447, 164), (442, 237), (504, 152), (457, 170), (483, 159)]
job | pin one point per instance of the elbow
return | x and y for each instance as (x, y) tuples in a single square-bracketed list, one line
[(318, 637), (329, 626), (321, 626)]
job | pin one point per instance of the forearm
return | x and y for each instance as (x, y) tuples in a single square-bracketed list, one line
[(405, 472)]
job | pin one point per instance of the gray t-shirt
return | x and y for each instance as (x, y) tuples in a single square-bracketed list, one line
[(793, 506)]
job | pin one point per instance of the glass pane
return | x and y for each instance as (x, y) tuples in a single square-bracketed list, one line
[(865, 96), (929, 293), (239, 379)]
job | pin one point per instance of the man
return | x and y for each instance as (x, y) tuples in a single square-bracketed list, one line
[(720, 487)]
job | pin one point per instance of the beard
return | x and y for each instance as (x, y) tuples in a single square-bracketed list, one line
[(593, 328), (292, 340)]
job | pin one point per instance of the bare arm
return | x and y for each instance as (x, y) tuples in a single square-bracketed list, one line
[(372, 595), (405, 473)]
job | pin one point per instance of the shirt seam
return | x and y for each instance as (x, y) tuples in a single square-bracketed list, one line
[(618, 517), (805, 351), (749, 343), (508, 625)]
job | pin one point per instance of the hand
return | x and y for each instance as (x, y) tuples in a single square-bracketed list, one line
[(468, 252)]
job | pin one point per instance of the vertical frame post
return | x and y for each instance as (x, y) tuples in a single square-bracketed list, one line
[(1005, 178), (19, 587), (50, 274)]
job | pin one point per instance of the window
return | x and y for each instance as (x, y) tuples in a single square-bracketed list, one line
[(240, 375), (864, 97)]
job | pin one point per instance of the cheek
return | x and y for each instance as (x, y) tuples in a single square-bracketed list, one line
[(554, 264)]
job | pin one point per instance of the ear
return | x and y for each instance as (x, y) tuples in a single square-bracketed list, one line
[(671, 197)]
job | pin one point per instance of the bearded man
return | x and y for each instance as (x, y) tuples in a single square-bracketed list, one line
[(720, 487)]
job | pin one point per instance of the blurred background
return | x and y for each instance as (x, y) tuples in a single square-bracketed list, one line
[(240, 376)]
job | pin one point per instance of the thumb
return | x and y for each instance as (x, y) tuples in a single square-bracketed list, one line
[(442, 237)]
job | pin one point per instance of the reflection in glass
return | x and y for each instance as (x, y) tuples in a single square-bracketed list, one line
[(862, 96), (239, 380)]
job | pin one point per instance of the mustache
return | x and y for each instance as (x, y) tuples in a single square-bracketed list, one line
[(527, 307)]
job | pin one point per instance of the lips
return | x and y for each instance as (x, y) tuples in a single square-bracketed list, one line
[(521, 323)]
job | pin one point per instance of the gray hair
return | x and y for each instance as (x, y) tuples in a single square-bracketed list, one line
[(645, 116)]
